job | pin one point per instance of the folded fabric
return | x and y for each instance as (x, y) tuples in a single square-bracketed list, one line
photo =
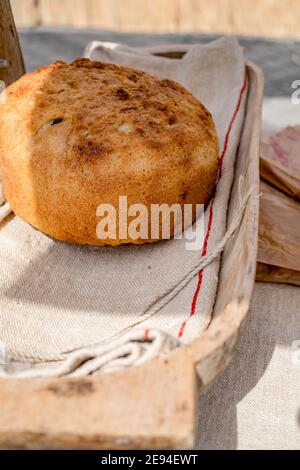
[(57, 298)]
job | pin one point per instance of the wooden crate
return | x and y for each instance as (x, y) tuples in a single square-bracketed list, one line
[(153, 405)]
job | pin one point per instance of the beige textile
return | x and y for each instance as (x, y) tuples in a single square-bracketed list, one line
[(57, 298)]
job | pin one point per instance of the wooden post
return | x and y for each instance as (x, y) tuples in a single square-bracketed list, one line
[(11, 59)]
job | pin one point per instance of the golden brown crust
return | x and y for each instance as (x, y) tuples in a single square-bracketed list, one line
[(73, 136)]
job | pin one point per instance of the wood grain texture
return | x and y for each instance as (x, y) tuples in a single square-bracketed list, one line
[(9, 46), (143, 407), (245, 17), (152, 405)]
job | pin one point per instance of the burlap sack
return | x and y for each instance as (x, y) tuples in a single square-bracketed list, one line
[(71, 309)]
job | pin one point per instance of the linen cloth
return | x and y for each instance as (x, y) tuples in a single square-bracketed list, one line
[(255, 404), (58, 298)]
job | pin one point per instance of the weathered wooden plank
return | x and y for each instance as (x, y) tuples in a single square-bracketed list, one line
[(152, 406), (12, 64)]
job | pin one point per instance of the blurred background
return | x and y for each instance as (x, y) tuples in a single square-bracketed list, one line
[(271, 18), (268, 30)]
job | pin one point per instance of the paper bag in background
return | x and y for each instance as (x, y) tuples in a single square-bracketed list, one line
[(279, 231), (280, 161)]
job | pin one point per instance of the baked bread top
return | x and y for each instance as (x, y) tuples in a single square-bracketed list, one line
[(73, 136)]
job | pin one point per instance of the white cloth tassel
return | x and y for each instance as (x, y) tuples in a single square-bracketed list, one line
[(125, 351)]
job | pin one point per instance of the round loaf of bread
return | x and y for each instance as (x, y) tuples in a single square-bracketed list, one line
[(76, 136)]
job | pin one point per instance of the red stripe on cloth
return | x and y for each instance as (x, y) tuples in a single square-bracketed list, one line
[(146, 334), (211, 209)]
